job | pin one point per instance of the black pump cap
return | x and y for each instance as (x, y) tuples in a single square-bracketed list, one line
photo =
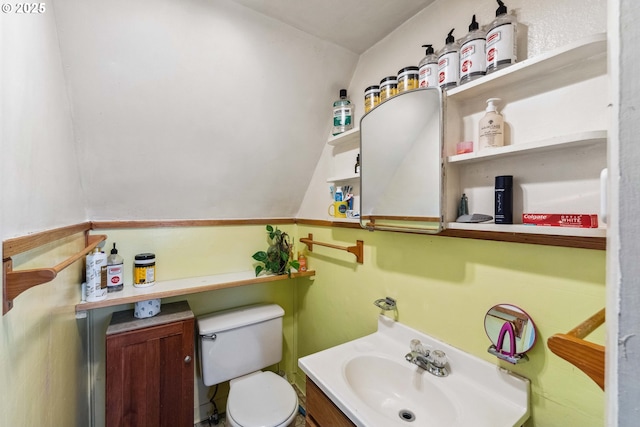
[(114, 250), (343, 93), (450, 38), (474, 24), (429, 49), (502, 9)]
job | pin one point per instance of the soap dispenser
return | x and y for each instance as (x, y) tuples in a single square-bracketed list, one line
[(472, 53), (501, 40), (449, 63), (428, 68), (491, 133)]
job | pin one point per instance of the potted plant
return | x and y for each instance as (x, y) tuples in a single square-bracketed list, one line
[(278, 257)]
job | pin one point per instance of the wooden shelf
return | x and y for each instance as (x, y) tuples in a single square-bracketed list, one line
[(584, 57), (351, 136), (580, 139), (191, 285)]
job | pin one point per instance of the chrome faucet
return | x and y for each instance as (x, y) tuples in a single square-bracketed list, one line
[(433, 362)]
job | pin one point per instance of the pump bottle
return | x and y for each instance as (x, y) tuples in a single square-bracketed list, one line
[(115, 271), (501, 40), (342, 114), (449, 63), (491, 127), (428, 68), (472, 53)]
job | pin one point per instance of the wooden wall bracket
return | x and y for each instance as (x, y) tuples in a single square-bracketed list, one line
[(16, 282), (357, 250), (586, 356)]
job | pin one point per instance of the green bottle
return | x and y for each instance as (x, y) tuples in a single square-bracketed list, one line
[(342, 114)]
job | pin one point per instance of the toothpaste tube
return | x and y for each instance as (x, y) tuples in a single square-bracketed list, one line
[(561, 220)]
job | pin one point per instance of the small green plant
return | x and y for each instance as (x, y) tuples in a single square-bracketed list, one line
[(277, 258)]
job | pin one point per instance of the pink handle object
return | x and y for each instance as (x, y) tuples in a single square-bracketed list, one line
[(507, 327)]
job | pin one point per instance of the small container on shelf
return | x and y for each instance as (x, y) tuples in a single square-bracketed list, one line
[(408, 78), (388, 87), (371, 98)]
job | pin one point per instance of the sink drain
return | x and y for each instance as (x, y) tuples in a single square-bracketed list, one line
[(406, 415)]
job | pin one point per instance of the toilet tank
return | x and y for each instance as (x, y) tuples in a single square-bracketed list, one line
[(239, 341)]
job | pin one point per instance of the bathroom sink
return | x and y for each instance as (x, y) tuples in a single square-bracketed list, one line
[(397, 391), (373, 385)]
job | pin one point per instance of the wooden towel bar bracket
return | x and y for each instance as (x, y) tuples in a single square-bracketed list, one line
[(357, 250), (16, 282), (586, 356)]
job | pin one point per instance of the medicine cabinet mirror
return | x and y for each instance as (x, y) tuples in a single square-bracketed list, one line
[(401, 176)]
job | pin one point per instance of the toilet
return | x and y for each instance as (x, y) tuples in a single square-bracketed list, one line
[(235, 345)]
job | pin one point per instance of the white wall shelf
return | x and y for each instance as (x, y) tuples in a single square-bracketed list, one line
[(579, 139), (582, 57), (556, 121), (345, 138), (529, 229), (352, 177)]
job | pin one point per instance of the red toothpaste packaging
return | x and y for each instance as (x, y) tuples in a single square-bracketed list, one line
[(561, 220)]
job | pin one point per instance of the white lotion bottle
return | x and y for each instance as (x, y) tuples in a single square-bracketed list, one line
[(491, 126)]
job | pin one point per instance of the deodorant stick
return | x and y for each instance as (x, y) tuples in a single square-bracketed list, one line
[(504, 199)]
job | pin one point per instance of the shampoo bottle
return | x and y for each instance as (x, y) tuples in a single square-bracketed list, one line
[(501, 40), (449, 63), (428, 68), (491, 127), (472, 53), (342, 114)]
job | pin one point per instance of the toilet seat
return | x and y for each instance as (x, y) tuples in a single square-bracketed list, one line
[(261, 399)]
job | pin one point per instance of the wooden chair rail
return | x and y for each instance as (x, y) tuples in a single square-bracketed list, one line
[(357, 250), (586, 356), (16, 282)]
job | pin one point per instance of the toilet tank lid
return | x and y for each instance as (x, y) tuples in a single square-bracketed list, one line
[(237, 317)]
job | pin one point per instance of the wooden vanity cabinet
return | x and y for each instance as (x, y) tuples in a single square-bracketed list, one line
[(149, 368), (321, 411)]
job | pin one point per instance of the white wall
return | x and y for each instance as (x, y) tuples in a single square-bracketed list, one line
[(43, 379), (195, 109), (41, 184), (623, 318)]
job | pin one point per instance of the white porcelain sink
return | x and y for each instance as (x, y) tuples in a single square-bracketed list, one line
[(372, 383)]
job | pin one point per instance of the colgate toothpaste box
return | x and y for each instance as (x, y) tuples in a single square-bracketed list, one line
[(561, 220)]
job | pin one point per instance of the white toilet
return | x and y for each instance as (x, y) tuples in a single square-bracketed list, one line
[(234, 345)]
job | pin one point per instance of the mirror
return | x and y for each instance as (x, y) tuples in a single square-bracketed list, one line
[(401, 163), (511, 332)]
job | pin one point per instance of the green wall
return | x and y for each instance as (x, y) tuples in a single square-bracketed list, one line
[(444, 286)]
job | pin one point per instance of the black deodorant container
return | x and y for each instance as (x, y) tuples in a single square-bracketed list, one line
[(504, 199)]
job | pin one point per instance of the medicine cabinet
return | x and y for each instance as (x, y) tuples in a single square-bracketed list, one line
[(401, 177)]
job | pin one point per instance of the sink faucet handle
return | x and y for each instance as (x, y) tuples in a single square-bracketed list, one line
[(416, 346), (438, 358)]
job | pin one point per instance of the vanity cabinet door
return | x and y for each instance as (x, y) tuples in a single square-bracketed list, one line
[(321, 411), (150, 376)]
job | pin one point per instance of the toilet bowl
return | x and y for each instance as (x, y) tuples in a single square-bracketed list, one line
[(261, 399)]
